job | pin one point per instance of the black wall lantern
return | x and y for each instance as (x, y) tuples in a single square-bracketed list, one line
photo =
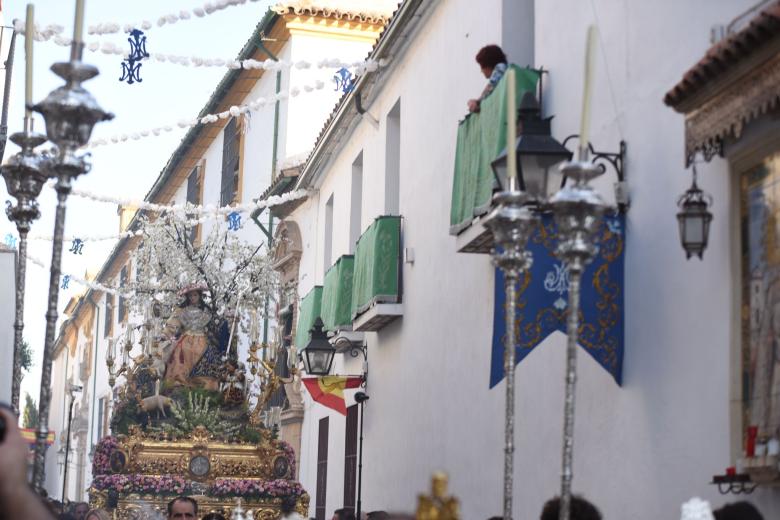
[(318, 354), (694, 219), (538, 153)]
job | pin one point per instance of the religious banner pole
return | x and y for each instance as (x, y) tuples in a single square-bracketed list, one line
[(511, 223), (24, 178), (577, 208), (70, 113)]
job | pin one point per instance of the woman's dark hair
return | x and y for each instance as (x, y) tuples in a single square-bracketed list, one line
[(490, 55), (213, 516), (288, 505)]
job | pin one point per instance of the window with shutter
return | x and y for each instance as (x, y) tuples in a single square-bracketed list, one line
[(109, 316), (230, 163), (121, 313), (193, 197), (322, 469)]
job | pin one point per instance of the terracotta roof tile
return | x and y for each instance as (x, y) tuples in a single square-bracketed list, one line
[(722, 56)]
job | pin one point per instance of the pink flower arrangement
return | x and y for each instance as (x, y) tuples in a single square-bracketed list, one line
[(143, 484), (255, 488), (101, 460)]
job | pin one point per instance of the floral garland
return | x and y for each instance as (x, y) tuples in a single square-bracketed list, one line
[(101, 461), (143, 484), (289, 452), (249, 488)]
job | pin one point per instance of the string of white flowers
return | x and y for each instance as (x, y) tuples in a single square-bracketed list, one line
[(53, 32), (82, 281), (203, 211), (233, 111)]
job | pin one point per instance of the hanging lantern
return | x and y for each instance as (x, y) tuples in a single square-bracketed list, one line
[(694, 219), (537, 152), (318, 354)]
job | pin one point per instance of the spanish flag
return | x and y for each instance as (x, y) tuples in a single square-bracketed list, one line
[(329, 390)]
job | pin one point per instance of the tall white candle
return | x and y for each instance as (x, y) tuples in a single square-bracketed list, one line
[(78, 24), (586, 92), (511, 132), (29, 32)]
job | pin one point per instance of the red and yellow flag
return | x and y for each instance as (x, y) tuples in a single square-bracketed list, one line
[(28, 434), (329, 390)]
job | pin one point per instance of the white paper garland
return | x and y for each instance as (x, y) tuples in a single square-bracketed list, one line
[(233, 111), (205, 213), (82, 281), (53, 32)]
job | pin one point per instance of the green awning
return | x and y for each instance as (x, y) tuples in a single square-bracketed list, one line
[(309, 312), (481, 137), (377, 258), (337, 295)]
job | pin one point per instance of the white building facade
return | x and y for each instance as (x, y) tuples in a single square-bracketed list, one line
[(641, 449)]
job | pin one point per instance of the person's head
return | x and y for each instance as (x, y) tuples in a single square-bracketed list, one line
[(580, 509), (737, 511), (343, 514), (193, 297), (97, 514), (378, 515), (182, 508), (213, 516), (488, 57), (288, 505), (79, 510)]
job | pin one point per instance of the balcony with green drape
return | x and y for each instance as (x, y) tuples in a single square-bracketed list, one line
[(376, 277), (337, 295), (481, 137), (310, 310)]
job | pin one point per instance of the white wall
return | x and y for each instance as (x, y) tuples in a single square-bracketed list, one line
[(641, 449)]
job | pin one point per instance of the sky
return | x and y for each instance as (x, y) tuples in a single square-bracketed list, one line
[(167, 94)]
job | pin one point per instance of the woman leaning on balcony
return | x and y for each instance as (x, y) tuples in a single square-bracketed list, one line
[(492, 63)]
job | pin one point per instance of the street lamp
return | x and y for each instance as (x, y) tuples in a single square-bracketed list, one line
[(537, 153), (70, 113), (318, 355), (694, 219)]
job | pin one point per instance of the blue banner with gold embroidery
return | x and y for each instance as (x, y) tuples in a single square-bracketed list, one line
[(543, 293)]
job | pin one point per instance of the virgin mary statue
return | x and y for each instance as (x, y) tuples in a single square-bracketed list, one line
[(187, 330)]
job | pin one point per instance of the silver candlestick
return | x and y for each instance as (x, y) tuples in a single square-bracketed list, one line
[(577, 208), (24, 177), (511, 223), (70, 113)]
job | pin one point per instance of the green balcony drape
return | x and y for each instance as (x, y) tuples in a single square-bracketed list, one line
[(481, 137), (337, 295), (311, 305), (377, 265)]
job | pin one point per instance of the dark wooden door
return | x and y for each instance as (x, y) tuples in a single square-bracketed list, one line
[(322, 469), (350, 458)]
